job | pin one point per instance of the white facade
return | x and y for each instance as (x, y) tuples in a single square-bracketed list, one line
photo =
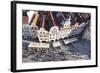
[(43, 35), (39, 45), (66, 29), (56, 44), (54, 33)]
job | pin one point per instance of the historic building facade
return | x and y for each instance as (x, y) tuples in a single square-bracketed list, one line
[(54, 33), (43, 35)]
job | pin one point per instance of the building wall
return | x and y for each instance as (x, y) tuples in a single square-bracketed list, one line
[(43, 35), (54, 33)]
